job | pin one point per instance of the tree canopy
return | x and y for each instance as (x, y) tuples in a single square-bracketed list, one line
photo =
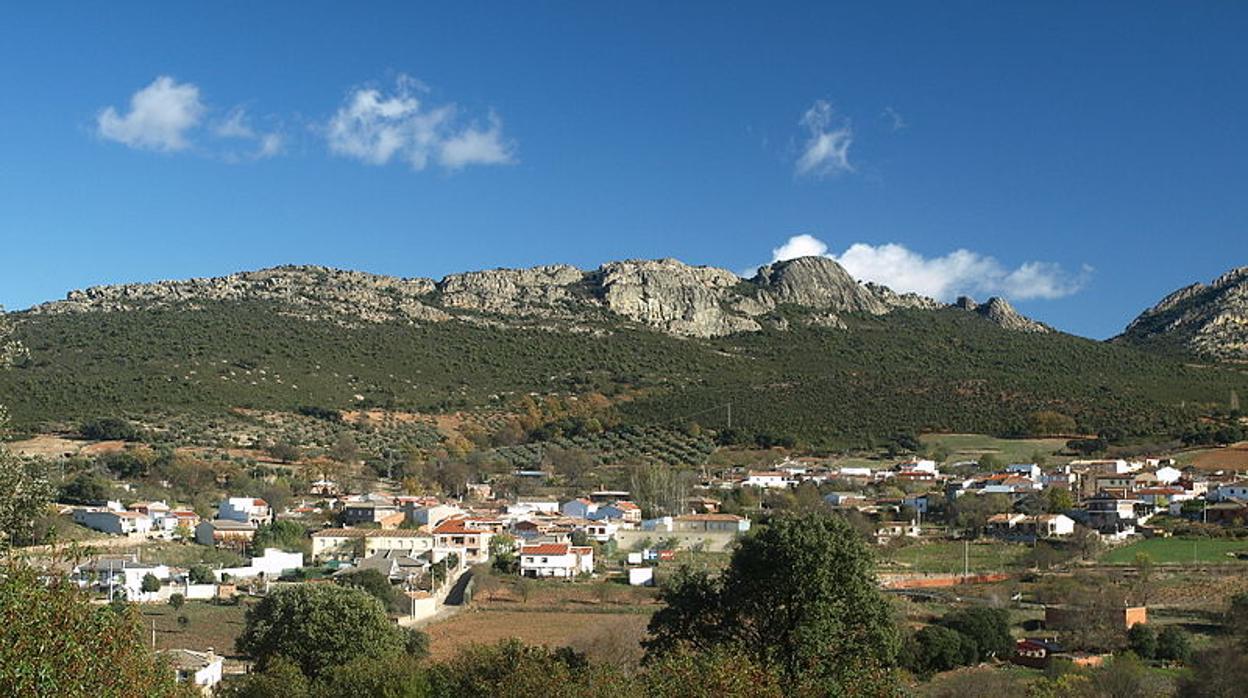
[(318, 626), (800, 594)]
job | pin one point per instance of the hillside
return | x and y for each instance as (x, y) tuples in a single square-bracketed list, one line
[(850, 365), (1210, 320)]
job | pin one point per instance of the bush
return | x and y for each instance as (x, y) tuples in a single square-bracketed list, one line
[(1142, 640), (177, 601), (110, 429), (1174, 644)]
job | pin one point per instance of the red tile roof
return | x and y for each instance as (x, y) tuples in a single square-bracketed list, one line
[(546, 549)]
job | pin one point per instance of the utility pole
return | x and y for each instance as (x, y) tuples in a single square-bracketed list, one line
[(729, 415)]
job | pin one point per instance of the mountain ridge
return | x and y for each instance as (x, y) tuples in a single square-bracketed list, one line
[(1210, 320), (662, 294)]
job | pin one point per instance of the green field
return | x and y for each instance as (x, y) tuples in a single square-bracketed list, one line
[(1177, 551), (208, 626), (947, 557), (972, 446)]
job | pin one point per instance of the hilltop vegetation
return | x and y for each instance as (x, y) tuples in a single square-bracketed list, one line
[(911, 370)]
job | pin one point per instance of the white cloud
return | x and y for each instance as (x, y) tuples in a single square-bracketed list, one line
[(894, 118), (237, 126), (826, 150), (375, 128), (961, 272), (160, 116)]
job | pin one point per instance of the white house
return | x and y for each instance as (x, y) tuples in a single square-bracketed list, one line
[(918, 465), (770, 479), (245, 509), (1027, 470), (528, 505), (116, 522), (1167, 475), (122, 577), (562, 560), (601, 531), (579, 508), (271, 565), (202, 669)]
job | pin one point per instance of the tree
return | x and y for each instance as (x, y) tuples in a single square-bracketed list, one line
[(25, 493), (1142, 639), (281, 677), (1143, 577), (988, 629), (800, 593), (1174, 644), (345, 449), (1125, 676), (201, 574), (1218, 672), (935, 648), (377, 585), (285, 535), (85, 488), (150, 583), (1059, 500), (177, 601), (55, 642), (110, 429), (393, 676), (285, 451), (971, 511), (511, 669), (318, 626)]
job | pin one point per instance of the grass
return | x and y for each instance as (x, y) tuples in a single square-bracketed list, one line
[(972, 446), (947, 557), (556, 614), (210, 625), (1179, 551)]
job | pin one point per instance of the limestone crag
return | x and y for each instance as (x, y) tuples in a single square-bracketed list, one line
[(1208, 319), (665, 294), (1000, 312)]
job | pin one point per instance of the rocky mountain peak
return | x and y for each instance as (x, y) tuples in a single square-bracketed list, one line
[(1208, 319)]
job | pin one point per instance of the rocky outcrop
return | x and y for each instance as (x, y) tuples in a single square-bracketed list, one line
[(1206, 319), (1000, 312), (663, 294), (309, 292)]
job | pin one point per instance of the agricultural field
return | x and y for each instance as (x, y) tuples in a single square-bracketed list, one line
[(607, 626), (972, 446), (946, 557), (1233, 457), (1180, 551), (207, 625), (651, 444)]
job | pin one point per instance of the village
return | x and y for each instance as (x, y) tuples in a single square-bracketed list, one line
[(944, 534)]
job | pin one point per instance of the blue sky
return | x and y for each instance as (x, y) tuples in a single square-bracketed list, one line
[(1084, 158)]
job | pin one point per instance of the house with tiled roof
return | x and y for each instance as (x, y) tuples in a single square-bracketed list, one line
[(557, 560), (201, 669), (246, 509), (122, 523), (351, 543), (467, 538)]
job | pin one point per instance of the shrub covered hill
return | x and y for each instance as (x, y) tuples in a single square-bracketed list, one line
[(801, 351)]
